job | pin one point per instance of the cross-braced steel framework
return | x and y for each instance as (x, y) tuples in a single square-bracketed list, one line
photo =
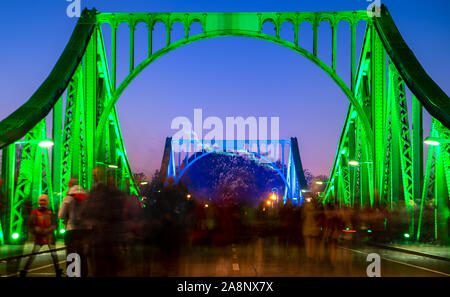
[(376, 135)]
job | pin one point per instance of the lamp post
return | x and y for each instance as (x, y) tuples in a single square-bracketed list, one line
[(274, 195)]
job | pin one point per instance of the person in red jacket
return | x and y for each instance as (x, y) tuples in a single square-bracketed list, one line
[(42, 223)]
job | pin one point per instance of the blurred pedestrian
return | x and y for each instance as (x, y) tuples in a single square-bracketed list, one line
[(42, 224), (310, 228), (103, 210), (76, 236)]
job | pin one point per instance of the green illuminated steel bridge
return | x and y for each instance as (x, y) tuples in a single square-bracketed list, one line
[(379, 159)]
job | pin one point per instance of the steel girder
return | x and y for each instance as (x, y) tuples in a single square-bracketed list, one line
[(376, 131), (396, 177)]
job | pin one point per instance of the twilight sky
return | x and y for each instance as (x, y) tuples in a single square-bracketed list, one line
[(224, 77)]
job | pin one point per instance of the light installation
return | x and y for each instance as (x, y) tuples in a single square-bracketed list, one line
[(181, 154), (376, 128)]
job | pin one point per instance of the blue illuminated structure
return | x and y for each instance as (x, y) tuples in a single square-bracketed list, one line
[(181, 154)]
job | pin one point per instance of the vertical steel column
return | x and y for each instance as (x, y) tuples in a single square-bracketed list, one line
[(315, 28), (417, 147), (378, 65), (90, 103), (441, 197), (427, 185), (352, 156), (8, 176), (150, 39), (333, 46), (113, 56), (364, 173), (395, 172), (57, 147), (353, 56), (296, 29), (112, 143), (75, 138), (57, 162), (168, 29), (132, 30)]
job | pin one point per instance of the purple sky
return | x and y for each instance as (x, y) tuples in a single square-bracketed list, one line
[(225, 76)]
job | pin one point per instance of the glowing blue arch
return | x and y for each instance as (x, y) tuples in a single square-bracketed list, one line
[(272, 165)]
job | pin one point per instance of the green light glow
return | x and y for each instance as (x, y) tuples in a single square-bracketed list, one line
[(406, 235), (62, 231), (15, 235)]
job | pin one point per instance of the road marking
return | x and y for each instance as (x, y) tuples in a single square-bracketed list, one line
[(34, 269), (235, 266), (398, 262)]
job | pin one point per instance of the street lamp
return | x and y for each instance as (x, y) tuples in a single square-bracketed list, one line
[(358, 163), (274, 194), (46, 143), (319, 182), (43, 143), (435, 141)]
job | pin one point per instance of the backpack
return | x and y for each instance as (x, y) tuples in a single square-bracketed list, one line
[(43, 217)]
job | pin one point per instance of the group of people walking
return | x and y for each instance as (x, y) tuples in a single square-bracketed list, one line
[(93, 226)]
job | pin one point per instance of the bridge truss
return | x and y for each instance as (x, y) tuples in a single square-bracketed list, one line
[(82, 90)]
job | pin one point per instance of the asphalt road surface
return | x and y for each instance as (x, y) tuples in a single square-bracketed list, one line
[(262, 257)]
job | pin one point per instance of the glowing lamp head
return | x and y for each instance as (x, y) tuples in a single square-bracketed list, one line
[(46, 143), (431, 142), (15, 235), (319, 182), (113, 166), (273, 197), (268, 203), (353, 163), (206, 205), (406, 235), (62, 231)]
